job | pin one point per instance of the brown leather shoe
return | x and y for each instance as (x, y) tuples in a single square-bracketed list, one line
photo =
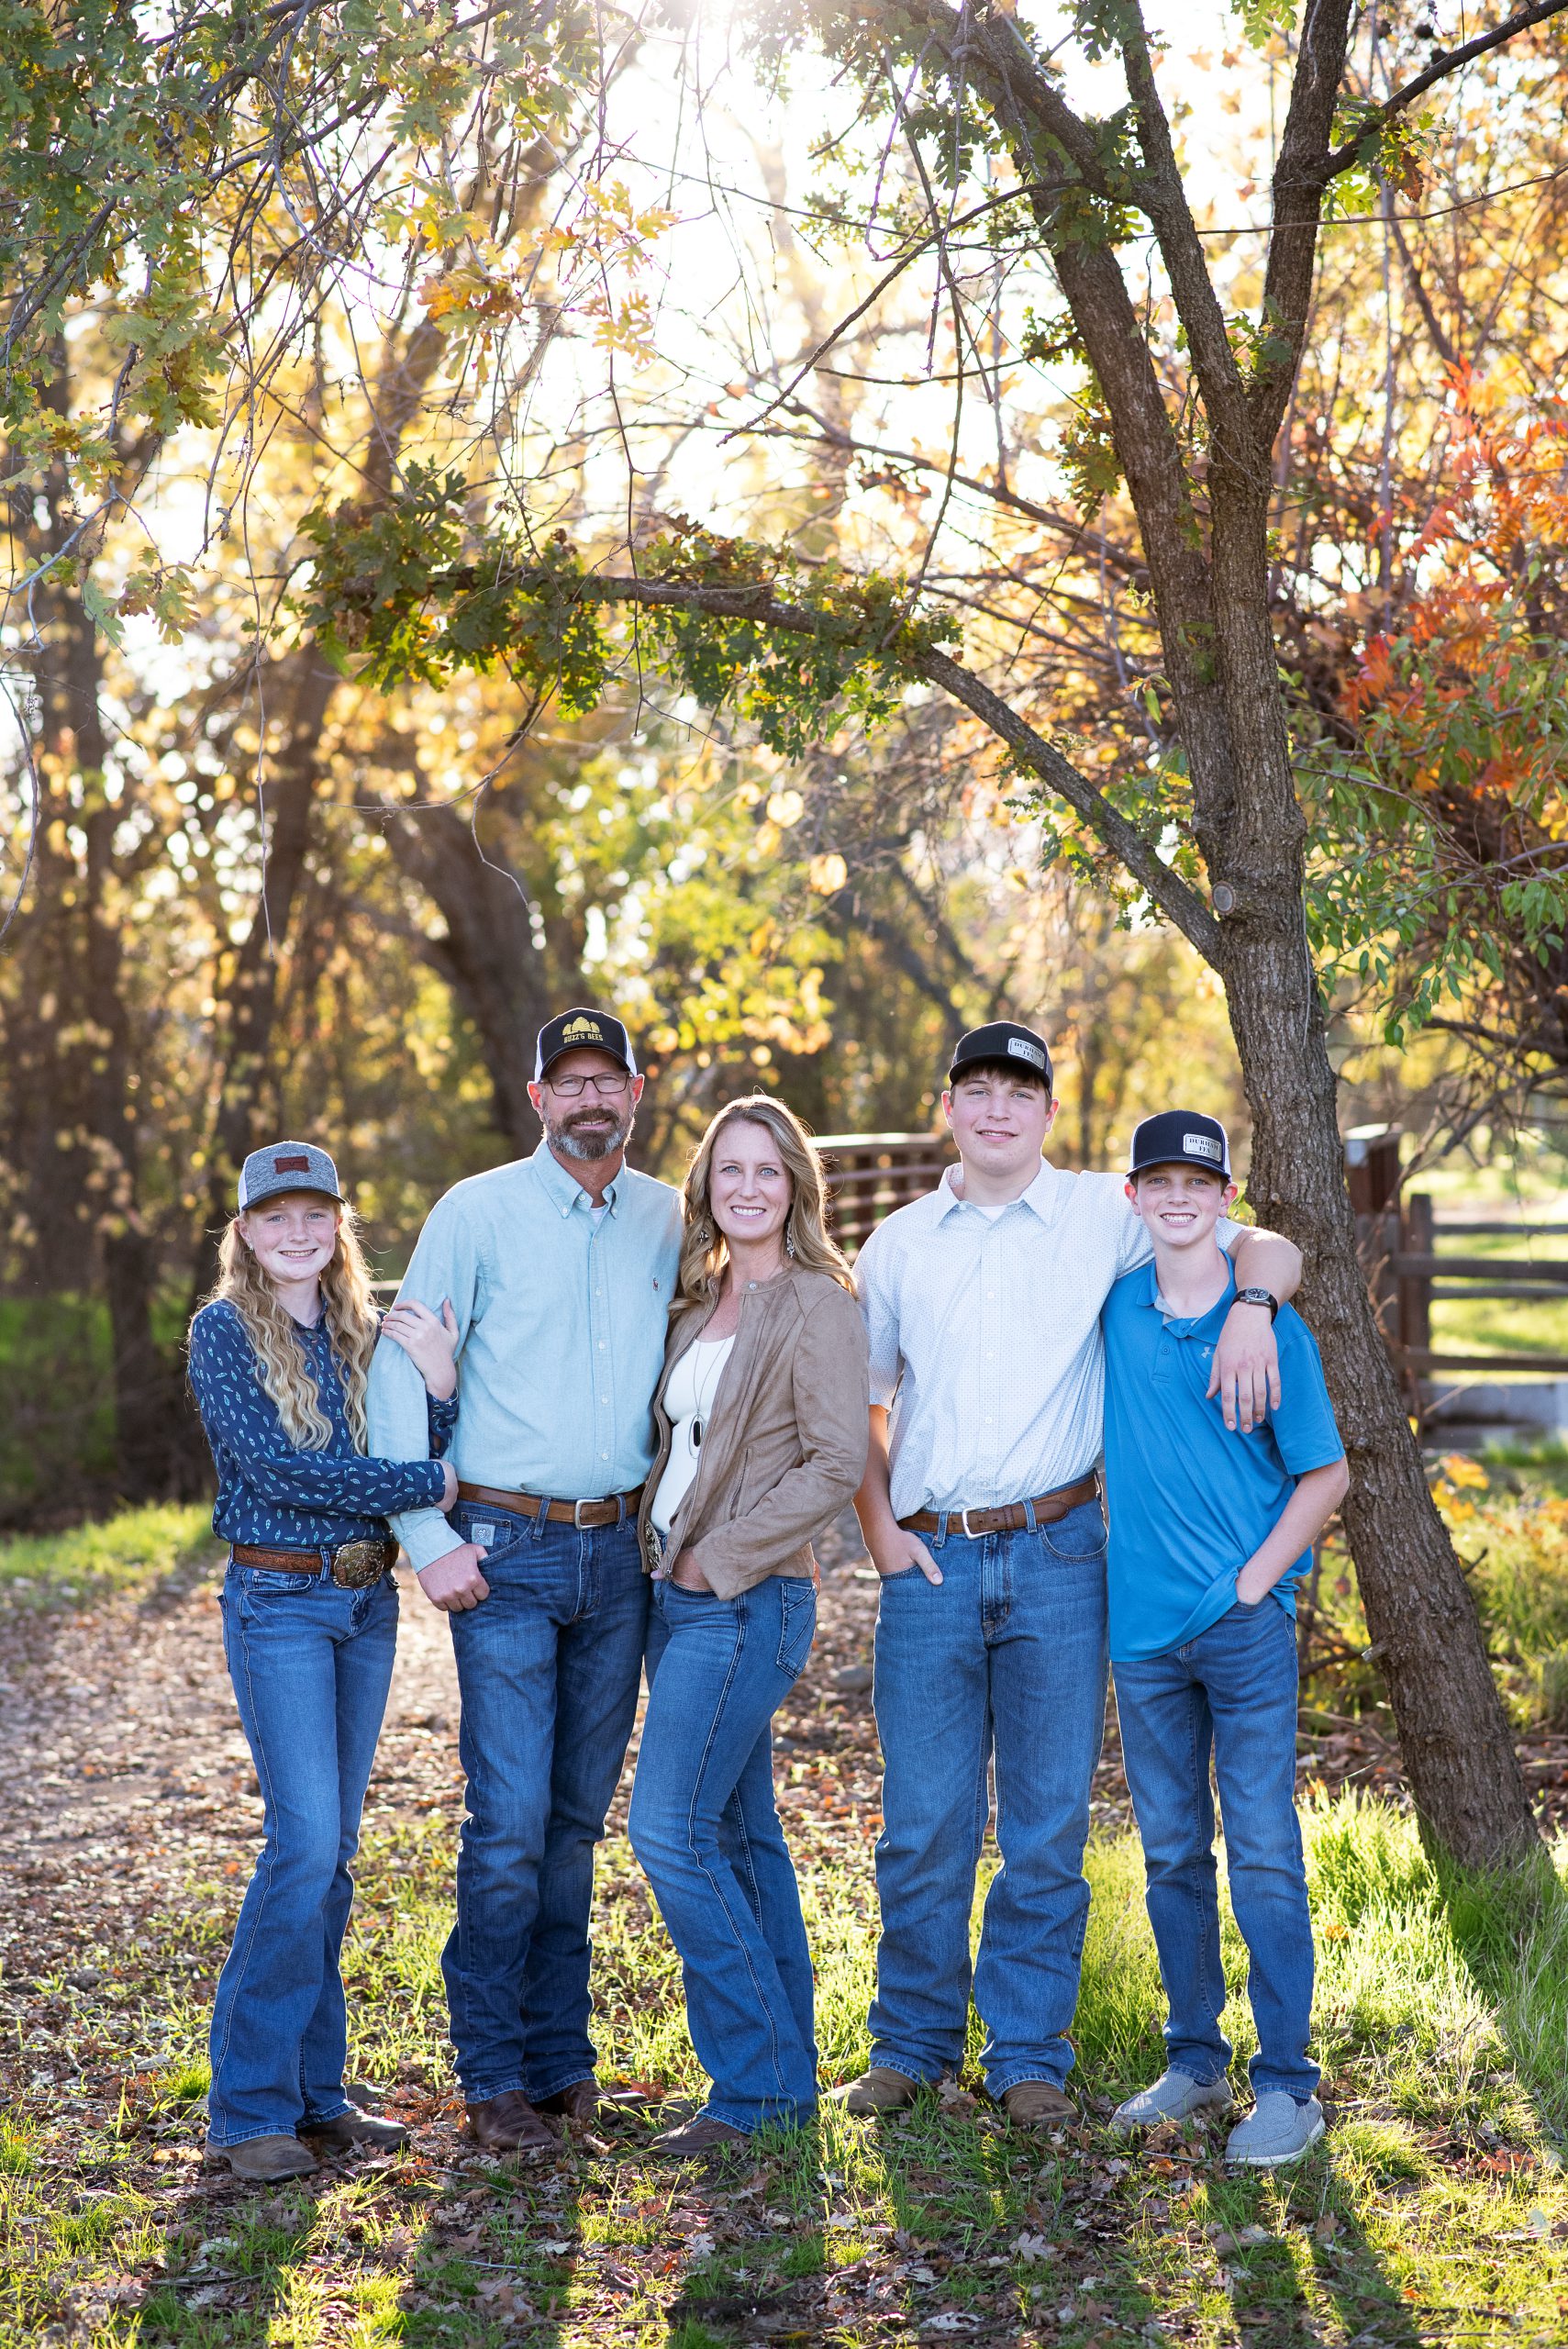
[(703, 2135), (881, 2089), (346, 2129), (1038, 2104), (264, 2161), (580, 2102), (508, 2123)]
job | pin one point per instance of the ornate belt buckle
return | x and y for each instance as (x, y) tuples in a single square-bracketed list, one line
[(358, 1564)]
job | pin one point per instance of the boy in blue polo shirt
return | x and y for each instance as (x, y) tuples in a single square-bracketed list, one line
[(1210, 1530)]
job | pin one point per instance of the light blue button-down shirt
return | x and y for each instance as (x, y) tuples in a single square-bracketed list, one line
[(561, 1316)]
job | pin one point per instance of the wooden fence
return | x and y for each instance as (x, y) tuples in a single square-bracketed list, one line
[(1410, 1265), (869, 1175)]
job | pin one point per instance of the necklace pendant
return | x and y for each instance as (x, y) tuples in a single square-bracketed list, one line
[(696, 1435)]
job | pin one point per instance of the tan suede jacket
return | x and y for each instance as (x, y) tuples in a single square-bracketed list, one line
[(786, 1445)]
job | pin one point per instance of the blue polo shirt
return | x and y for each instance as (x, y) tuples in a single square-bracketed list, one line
[(1189, 1498)]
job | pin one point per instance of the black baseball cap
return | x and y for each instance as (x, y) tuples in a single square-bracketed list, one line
[(1180, 1138), (1002, 1039), (580, 1030)]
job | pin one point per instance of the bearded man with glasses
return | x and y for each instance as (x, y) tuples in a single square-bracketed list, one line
[(560, 1268)]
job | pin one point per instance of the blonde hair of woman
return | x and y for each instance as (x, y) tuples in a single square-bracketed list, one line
[(348, 1310), (704, 1251)]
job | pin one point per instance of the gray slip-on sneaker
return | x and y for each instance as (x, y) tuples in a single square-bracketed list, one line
[(1171, 2098), (1277, 2130)]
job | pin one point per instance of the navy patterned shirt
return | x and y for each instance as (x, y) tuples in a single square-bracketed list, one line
[(269, 1491)]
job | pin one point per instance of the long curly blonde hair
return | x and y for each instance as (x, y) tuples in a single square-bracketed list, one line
[(704, 1251), (352, 1325)]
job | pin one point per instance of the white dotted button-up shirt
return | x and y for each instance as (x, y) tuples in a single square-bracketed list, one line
[(985, 1329)]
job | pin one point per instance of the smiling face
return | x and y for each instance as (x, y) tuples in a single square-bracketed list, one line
[(749, 1187), (293, 1234), (1000, 1122), (1180, 1205), (592, 1117)]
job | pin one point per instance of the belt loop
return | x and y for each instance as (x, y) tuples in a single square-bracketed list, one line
[(620, 1510), (542, 1517), (942, 1532), (1028, 1518)]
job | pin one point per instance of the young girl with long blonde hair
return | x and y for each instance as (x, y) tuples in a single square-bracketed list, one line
[(278, 1362)]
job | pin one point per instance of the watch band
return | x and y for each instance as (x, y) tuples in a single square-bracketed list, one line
[(1259, 1297)]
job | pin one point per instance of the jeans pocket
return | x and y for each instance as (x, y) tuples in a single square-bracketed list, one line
[(797, 1622), (1079, 1536), (496, 1534), (262, 1580)]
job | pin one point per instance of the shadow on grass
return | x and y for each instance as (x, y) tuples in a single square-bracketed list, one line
[(1512, 1932)]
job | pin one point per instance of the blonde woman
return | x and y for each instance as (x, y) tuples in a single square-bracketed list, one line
[(278, 1360), (762, 1427)]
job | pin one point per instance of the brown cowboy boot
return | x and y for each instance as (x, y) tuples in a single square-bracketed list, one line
[(508, 2123)]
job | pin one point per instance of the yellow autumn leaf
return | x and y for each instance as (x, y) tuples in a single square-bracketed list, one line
[(786, 807), (828, 873)]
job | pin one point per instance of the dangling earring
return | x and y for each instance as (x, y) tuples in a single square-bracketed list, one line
[(705, 1236), (789, 1236)]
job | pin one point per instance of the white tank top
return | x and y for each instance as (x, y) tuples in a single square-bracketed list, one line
[(688, 1399)]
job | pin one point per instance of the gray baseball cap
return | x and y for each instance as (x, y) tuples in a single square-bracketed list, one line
[(286, 1166)]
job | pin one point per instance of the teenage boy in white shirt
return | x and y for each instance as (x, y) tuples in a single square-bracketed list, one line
[(981, 1511)]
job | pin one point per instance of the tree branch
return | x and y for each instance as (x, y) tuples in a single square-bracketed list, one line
[(1300, 175), (1449, 61)]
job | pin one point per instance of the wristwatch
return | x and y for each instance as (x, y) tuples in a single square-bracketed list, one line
[(1259, 1297)]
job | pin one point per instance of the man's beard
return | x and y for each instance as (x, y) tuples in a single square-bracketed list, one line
[(593, 1142)]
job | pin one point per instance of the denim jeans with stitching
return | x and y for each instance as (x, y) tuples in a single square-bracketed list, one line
[(1230, 1692), (311, 1665), (548, 1667), (1004, 1659), (705, 1826)]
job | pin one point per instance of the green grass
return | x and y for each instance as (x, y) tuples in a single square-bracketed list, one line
[(128, 1553), (1436, 2207)]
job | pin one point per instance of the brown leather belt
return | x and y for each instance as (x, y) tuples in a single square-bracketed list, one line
[(610, 1511), (351, 1564), (1013, 1517)]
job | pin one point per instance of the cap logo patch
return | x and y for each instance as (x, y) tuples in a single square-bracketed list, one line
[(298, 1165), (1021, 1049), (575, 1029), (1202, 1146)]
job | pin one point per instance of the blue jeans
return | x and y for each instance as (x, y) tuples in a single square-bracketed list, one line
[(706, 1828), (1005, 1658), (548, 1667), (1231, 1691), (311, 1665)]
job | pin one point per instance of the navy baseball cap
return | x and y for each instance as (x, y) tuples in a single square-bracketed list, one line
[(572, 1031), (1003, 1039), (1180, 1138), (286, 1166)]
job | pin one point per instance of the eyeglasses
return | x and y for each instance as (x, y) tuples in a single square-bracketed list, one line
[(569, 1087)]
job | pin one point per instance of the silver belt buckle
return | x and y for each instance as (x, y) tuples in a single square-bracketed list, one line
[(593, 1501), (963, 1521)]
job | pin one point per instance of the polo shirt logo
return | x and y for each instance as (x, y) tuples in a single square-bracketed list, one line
[(1023, 1050), (1201, 1146)]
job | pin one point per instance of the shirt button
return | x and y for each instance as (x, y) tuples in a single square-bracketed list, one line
[(603, 1455), (600, 1346), (990, 1292)]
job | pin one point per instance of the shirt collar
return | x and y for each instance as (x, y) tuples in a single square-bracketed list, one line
[(1040, 1198), (1202, 1325), (564, 1190)]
